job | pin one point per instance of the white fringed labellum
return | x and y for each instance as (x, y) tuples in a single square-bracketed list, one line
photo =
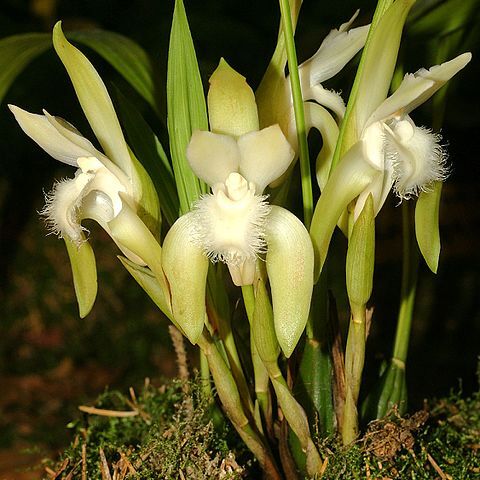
[(290, 263), (229, 223), (186, 268)]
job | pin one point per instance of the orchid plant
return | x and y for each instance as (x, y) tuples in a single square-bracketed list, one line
[(232, 159)]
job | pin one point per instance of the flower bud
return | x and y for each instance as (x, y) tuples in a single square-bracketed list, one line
[(361, 256)]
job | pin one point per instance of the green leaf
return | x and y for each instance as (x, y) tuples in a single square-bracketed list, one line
[(126, 56), (374, 73), (442, 18), (426, 225), (16, 52), (84, 270), (150, 153), (186, 106), (148, 281)]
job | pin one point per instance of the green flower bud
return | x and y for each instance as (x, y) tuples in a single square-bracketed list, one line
[(361, 256)]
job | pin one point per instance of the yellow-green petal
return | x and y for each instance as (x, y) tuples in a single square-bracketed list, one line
[(231, 103), (289, 263), (94, 99), (84, 271), (186, 269), (426, 225)]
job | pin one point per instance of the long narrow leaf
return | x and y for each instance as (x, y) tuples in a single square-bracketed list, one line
[(186, 105), (126, 56), (16, 52), (150, 153)]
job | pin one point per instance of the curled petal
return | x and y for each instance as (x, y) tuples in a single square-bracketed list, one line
[(327, 98), (417, 88), (186, 268), (93, 193), (62, 210), (50, 133), (264, 156), (213, 156), (319, 118), (290, 264), (336, 50)]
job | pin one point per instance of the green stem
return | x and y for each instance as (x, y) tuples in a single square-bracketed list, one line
[(354, 360), (296, 419), (225, 333), (260, 373), (307, 194), (205, 376), (408, 289), (230, 398)]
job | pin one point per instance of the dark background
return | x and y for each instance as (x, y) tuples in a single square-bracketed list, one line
[(50, 360)]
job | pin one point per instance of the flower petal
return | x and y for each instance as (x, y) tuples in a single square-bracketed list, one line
[(318, 117), (264, 156), (418, 87), (336, 50), (229, 226), (376, 68), (290, 264), (231, 102), (351, 176), (327, 98), (95, 101), (426, 225), (84, 271), (63, 206), (186, 268), (213, 156), (49, 133)]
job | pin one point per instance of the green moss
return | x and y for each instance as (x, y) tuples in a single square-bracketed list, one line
[(171, 433), (440, 442), (173, 437)]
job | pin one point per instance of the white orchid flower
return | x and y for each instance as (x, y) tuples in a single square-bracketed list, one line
[(391, 153), (274, 96), (235, 224), (230, 223), (94, 191), (112, 189), (408, 158)]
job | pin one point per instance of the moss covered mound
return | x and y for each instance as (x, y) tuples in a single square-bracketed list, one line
[(173, 432)]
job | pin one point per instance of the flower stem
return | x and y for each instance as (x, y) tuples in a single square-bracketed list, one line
[(307, 194), (408, 289), (354, 360), (259, 371), (230, 399)]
